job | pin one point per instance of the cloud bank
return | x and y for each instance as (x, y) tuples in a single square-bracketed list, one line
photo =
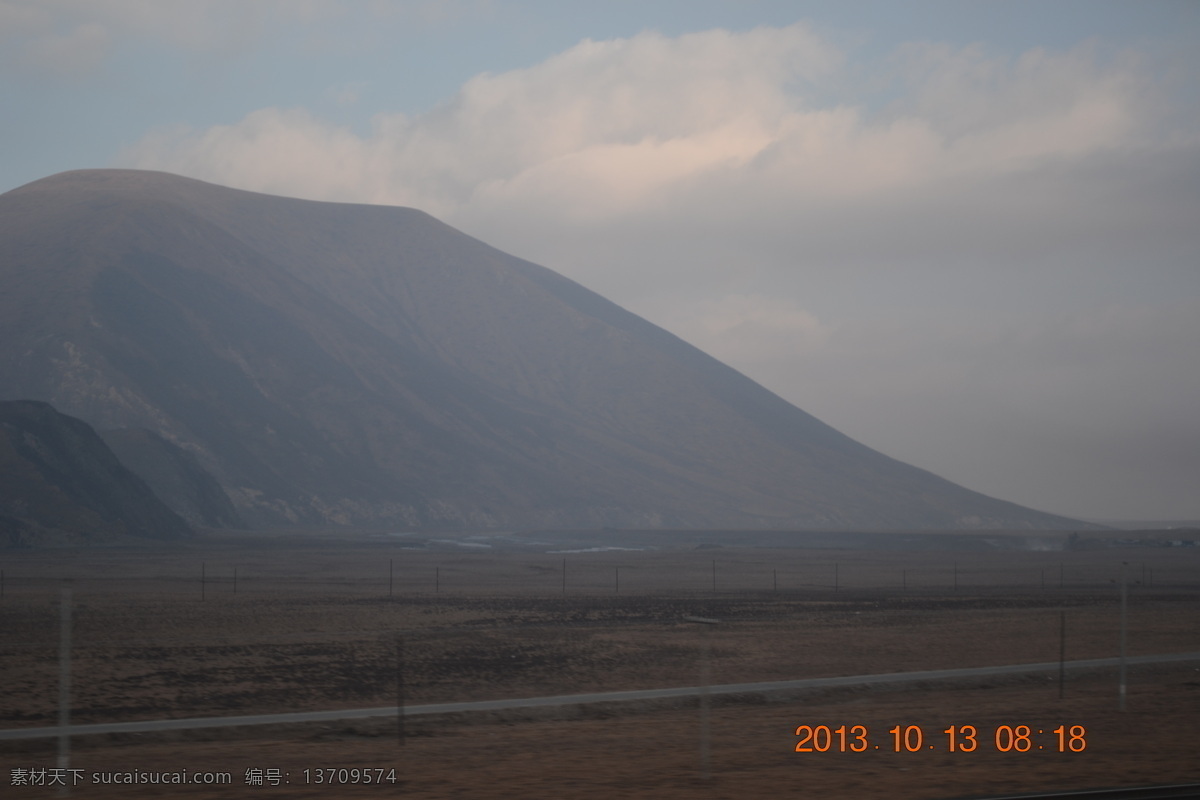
[(619, 127)]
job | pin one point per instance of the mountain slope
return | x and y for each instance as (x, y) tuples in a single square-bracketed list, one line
[(338, 364), (175, 477), (59, 483)]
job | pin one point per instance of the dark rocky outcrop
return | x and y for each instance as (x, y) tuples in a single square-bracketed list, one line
[(60, 484)]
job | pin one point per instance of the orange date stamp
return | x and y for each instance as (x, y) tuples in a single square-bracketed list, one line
[(954, 739)]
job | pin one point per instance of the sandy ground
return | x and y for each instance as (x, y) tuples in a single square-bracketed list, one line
[(316, 628)]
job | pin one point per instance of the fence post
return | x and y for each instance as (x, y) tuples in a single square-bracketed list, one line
[(64, 680), (1124, 629), (1062, 654), (400, 688)]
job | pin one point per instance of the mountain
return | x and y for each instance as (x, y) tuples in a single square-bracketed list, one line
[(60, 484), (337, 364), (175, 476)]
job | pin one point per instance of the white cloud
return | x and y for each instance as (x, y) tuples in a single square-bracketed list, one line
[(601, 128), (713, 122)]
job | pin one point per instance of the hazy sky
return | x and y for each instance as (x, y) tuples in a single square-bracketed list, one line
[(966, 234)]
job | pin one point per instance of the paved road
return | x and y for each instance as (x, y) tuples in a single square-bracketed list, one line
[(767, 687)]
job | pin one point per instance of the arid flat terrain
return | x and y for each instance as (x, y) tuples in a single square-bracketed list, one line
[(314, 624)]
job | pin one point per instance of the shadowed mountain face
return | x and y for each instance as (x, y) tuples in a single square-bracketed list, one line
[(175, 477), (337, 364), (60, 484)]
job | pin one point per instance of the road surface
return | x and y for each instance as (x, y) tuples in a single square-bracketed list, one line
[(767, 688)]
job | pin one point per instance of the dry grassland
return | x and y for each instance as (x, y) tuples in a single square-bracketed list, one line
[(314, 627)]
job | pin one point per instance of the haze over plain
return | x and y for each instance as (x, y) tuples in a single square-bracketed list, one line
[(963, 234)]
